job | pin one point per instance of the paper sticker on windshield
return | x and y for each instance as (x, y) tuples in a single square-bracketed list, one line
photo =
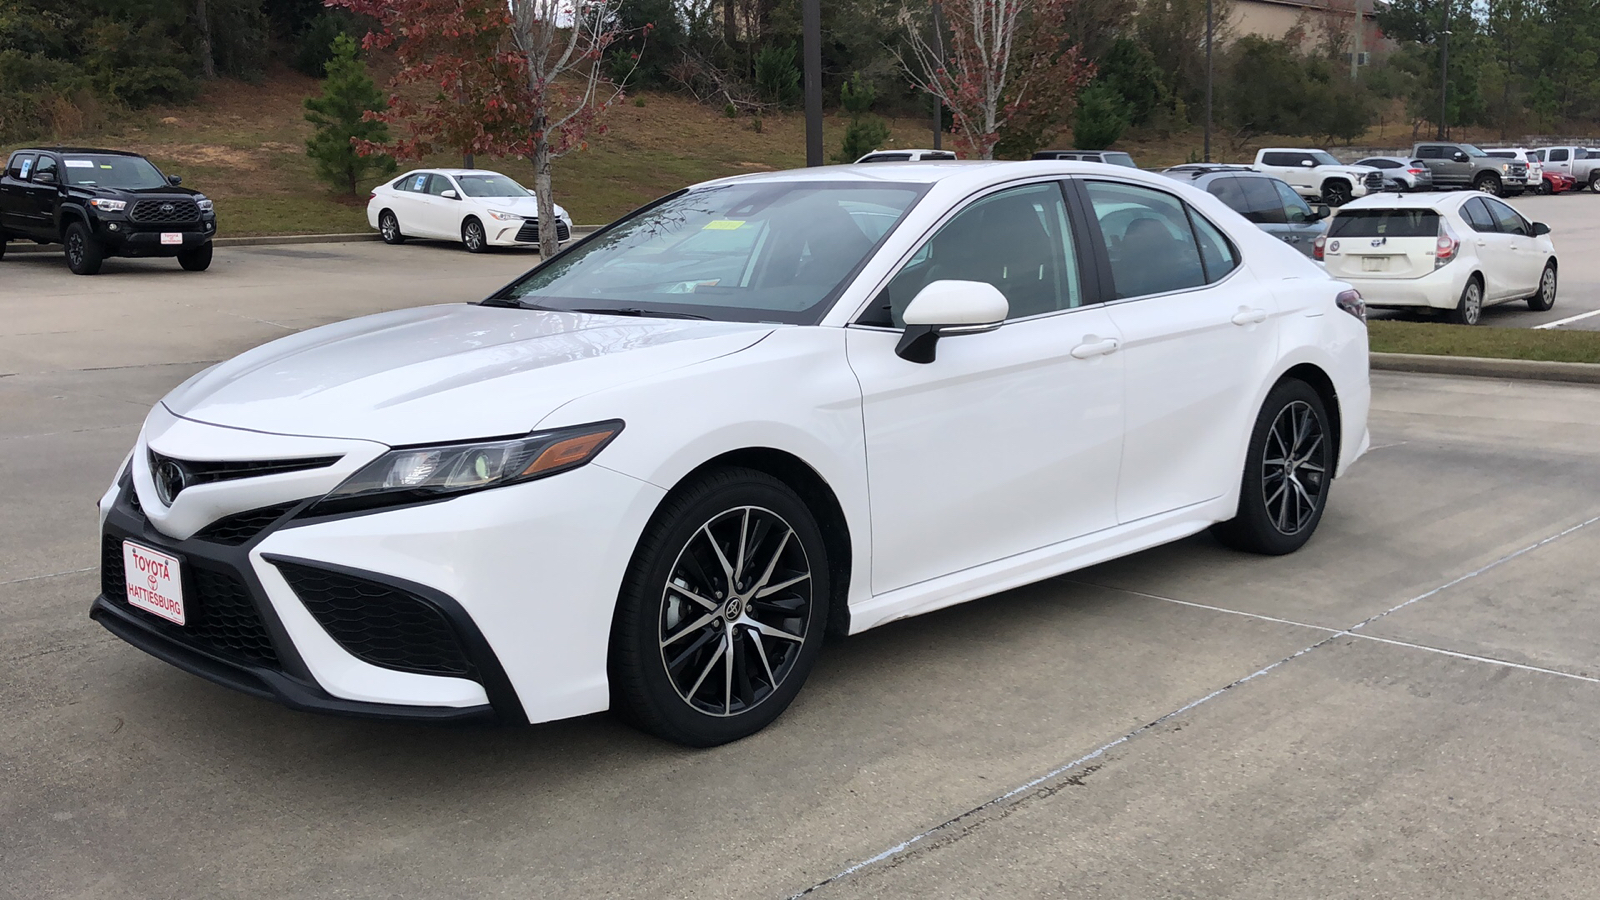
[(105, 165), (27, 166), (421, 180), (723, 225), (80, 163)]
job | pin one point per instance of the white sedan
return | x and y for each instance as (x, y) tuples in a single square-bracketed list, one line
[(1456, 252), (653, 473), (479, 208)]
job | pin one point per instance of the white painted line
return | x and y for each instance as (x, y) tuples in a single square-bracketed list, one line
[(50, 575), (1560, 322), (952, 823)]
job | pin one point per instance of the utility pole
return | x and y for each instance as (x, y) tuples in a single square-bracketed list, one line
[(811, 28), (1444, 70), (1209, 35), (1355, 44)]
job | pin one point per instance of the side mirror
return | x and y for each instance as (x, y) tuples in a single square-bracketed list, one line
[(1458, 156), (1319, 212), (174, 180), (450, 195), (1540, 228), (949, 308), (1307, 163), (44, 178)]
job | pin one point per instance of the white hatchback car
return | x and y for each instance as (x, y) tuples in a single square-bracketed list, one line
[(1456, 252), (479, 208), (653, 472)]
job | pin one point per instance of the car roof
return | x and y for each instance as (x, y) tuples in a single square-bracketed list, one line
[(1293, 150), (975, 173), (1395, 158), (85, 150), (1411, 200)]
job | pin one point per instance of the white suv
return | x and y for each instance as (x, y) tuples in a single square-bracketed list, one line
[(1316, 175), (1534, 182), (879, 156)]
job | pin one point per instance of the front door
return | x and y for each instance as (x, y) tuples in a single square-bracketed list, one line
[(42, 196), (1493, 250), (1197, 346), (1010, 440), (1526, 261)]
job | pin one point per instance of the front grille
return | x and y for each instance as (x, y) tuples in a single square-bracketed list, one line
[(1374, 181), (217, 606), (240, 527), (529, 232), (195, 472), (383, 625), (165, 212)]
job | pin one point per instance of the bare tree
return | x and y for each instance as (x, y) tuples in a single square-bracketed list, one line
[(202, 21)]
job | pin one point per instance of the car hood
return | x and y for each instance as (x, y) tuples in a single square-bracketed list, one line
[(443, 373), (523, 206)]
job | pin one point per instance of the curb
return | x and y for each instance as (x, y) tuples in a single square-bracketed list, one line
[(1479, 367), (265, 240)]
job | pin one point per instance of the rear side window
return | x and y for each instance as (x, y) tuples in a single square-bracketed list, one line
[(1280, 159), (1430, 152), (1558, 156), (1502, 154), (1263, 202), (1379, 163), (1120, 159), (1148, 238), (415, 183), (1357, 223), (21, 165), (1216, 251), (1228, 191)]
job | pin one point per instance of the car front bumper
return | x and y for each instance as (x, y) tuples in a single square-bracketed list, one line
[(513, 588), (122, 238), (522, 233)]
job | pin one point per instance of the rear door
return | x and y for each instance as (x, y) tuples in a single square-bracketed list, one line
[(1382, 243), (408, 204), (42, 196), (13, 192)]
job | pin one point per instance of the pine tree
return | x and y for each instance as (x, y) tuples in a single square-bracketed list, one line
[(339, 116)]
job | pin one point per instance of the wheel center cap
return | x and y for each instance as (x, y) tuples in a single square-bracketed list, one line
[(734, 608)]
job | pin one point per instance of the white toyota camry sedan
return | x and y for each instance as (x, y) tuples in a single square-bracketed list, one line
[(653, 473), (479, 208)]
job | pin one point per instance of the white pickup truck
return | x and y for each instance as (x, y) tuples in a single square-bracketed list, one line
[(1316, 175), (1582, 164)]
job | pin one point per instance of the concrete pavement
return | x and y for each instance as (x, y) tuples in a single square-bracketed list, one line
[(1445, 748)]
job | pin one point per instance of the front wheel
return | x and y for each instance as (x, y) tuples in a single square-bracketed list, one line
[(1546, 295), (472, 236), (1287, 474), (722, 611), (1337, 193), (1469, 309), (1488, 184), (84, 253), (197, 259)]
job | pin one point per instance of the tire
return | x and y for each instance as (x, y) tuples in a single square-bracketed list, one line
[(84, 253), (196, 260), (1337, 193), (473, 237), (1594, 181), (1488, 183), (3, 241), (1545, 297), (676, 574), (1280, 505), (389, 228), (1469, 309)]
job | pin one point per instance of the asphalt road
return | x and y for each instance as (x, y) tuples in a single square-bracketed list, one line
[(1408, 707)]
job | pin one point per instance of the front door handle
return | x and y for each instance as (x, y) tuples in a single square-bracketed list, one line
[(1093, 346), (1249, 316)]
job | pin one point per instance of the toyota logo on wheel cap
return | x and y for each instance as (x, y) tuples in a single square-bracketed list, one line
[(170, 479)]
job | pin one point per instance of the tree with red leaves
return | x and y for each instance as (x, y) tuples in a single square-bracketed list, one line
[(996, 63), (496, 77)]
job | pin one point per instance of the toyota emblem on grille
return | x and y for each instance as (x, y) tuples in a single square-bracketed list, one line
[(167, 207), (170, 479)]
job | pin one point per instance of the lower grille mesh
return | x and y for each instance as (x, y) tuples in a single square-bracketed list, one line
[(241, 527), (383, 625)]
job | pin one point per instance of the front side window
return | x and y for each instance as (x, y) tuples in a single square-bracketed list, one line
[(1295, 209), (1120, 159), (1322, 158), (127, 172), (1265, 206), (1506, 218), (1018, 240), (1148, 238), (438, 184), (46, 164), (1477, 215), (1470, 150), (766, 251), (1558, 156)]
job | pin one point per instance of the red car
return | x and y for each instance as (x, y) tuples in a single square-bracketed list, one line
[(1556, 182)]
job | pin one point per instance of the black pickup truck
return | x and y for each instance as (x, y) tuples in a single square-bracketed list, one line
[(100, 203)]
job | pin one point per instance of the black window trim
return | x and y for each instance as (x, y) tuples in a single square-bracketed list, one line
[(1108, 288), (1091, 282)]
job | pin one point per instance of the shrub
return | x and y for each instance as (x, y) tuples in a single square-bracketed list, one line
[(777, 75), (339, 116), (1101, 118), (866, 132)]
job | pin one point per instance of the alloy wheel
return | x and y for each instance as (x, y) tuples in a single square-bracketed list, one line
[(1547, 287), (389, 227), (1472, 304), (1294, 468), (474, 237), (75, 249), (735, 611)]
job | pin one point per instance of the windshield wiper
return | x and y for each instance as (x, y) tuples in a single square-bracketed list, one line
[(635, 311)]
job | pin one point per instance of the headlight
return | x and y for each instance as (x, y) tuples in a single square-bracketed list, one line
[(505, 216), (413, 474), (205, 203), (108, 205)]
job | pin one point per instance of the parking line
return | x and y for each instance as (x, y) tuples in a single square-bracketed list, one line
[(1560, 322), (955, 824)]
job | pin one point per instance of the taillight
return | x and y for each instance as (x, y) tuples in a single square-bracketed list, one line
[(1351, 302), (1413, 171), (1445, 248), (1319, 248)]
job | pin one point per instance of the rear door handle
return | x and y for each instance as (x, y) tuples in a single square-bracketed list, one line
[(1093, 346), (1249, 316)]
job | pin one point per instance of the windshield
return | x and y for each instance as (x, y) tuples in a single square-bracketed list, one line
[(129, 172), (1470, 150), (1324, 158), (760, 252), (491, 186)]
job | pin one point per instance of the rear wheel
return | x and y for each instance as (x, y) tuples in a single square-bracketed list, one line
[(1594, 181), (197, 259), (722, 612), (1546, 295), (1469, 309), (1287, 474), (472, 236), (1488, 183), (84, 253), (389, 228)]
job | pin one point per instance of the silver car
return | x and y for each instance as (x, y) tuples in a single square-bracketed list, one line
[(1401, 173)]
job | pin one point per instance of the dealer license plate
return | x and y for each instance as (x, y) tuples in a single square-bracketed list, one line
[(171, 237), (154, 582), (1374, 263)]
